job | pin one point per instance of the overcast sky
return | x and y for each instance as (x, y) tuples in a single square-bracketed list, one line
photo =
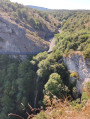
[(57, 4)]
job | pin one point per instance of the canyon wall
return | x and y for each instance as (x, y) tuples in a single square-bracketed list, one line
[(77, 63), (16, 38)]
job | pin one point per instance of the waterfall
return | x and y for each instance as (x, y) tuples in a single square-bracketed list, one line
[(36, 92)]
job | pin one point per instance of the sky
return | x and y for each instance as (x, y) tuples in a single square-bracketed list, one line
[(57, 4)]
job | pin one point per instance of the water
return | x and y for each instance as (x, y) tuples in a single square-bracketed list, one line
[(36, 92)]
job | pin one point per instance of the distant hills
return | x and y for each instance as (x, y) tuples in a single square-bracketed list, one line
[(37, 7)]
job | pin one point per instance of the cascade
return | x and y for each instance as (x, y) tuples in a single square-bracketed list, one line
[(36, 92)]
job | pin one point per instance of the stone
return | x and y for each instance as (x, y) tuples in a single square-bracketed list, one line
[(76, 63)]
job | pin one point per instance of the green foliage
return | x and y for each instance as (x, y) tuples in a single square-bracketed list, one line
[(87, 52), (17, 81), (48, 64), (85, 96), (32, 19), (74, 74), (77, 104), (51, 63), (55, 86), (87, 90), (40, 57), (41, 115), (74, 41), (75, 33)]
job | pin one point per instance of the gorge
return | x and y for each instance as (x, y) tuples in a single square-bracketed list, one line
[(44, 56)]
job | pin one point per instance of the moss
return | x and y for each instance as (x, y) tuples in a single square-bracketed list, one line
[(74, 74)]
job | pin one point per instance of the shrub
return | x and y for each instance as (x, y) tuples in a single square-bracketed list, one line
[(74, 74), (41, 115), (55, 86)]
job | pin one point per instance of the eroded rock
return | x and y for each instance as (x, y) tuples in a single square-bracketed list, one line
[(77, 63)]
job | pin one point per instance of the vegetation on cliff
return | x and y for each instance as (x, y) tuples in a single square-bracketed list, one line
[(41, 23), (74, 36)]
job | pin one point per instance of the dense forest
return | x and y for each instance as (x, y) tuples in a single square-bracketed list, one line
[(32, 80), (17, 83), (75, 33), (18, 80)]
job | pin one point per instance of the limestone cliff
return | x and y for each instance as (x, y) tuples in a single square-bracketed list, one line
[(77, 63), (16, 38)]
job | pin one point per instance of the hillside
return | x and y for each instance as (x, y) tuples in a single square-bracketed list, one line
[(15, 38), (75, 33), (24, 29)]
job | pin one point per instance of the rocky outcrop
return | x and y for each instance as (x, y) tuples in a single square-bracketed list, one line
[(76, 63), (16, 38)]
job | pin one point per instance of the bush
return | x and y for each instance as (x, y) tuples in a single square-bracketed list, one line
[(55, 86), (41, 115), (87, 89), (74, 74)]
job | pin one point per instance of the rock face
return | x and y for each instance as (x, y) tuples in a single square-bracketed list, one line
[(15, 38), (76, 63)]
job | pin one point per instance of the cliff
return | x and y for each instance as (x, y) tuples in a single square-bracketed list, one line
[(76, 63), (24, 29), (16, 38)]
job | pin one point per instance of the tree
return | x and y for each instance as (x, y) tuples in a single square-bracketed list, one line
[(56, 86), (25, 83)]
